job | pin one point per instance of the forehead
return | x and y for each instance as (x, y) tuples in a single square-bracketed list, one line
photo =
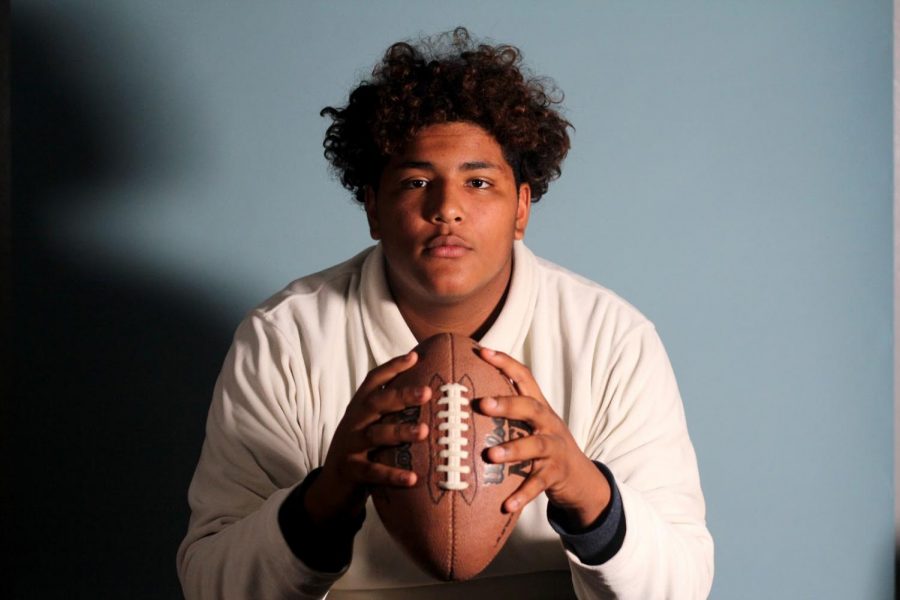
[(452, 143)]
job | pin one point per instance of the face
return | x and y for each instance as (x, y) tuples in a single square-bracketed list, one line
[(447, 211)]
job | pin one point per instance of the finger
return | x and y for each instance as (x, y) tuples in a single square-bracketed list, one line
[(394, 434), (518, 373), (382, 374), (390, 400), (530, 447), (530, 489), (522, 408), (368, 472)]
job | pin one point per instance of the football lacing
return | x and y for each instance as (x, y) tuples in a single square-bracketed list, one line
[(452, 423)]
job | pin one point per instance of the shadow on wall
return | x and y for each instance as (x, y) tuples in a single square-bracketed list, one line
[(113, 372)]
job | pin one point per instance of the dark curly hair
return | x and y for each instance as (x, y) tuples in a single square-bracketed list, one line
[(443, 79)]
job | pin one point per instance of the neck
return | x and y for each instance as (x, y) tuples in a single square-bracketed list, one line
[(471, 317), (462, 319)]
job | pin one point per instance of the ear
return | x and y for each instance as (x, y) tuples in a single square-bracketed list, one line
[(372, 214), (523, 210)]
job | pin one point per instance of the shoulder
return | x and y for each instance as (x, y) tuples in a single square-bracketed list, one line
[(579, 300), (325, 283), (313, 302)]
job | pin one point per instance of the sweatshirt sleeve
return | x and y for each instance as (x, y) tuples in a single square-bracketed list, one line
[(639, 432), (600, 541), (253, 456)]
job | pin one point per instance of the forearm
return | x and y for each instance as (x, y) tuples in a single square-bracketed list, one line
[(321, 538), (641, 435), (658, 558), (600, 540), (247, 558)]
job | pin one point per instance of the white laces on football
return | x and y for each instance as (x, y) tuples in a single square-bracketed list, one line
[(454, 425)]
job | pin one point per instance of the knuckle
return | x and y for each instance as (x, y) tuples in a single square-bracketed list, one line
[(372, 401), (409, 395), (566, 446), (552, 471), (369, 471), (365, 408), (350, 471), (371, 434)]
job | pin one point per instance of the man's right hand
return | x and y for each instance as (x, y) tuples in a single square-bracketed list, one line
[(341, 489)]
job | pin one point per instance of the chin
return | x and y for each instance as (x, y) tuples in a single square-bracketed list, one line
[(444, 293), (448, 296)]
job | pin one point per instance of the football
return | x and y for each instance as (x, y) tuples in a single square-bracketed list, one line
[(451, 521)]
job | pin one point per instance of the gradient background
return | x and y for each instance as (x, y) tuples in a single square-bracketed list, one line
[(730, 175)]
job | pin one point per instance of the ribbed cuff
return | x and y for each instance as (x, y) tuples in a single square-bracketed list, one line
[(324, 547), (600, 541)]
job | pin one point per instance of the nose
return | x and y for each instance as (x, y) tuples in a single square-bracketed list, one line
[(446, 205)]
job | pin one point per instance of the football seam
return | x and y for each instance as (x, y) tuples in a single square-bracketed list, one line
[(451, 549), (452, 496)]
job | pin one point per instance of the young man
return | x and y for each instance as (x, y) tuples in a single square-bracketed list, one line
[(446, 149)]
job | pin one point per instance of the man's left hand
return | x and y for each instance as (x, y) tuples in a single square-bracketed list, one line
[(559, 467)]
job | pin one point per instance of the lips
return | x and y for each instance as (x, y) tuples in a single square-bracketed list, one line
[(447, 246)]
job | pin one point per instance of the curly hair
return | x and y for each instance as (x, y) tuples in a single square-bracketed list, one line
[(444, 79)]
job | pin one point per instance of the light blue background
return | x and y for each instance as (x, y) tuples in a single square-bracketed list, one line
[(730, 175)]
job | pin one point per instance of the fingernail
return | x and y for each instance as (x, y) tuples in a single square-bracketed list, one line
[(498, 453), (490, 352), (513, 505), (489, 403)]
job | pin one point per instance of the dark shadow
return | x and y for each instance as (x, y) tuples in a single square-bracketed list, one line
[(112, 372)]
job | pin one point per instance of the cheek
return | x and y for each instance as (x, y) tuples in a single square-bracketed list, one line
[(399, 231), (503, 223)]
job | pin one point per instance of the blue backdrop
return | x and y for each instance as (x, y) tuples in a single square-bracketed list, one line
[(730, 175)]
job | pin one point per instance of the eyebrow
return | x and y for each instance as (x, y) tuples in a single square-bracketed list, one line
[(478, 164), (466, 166)]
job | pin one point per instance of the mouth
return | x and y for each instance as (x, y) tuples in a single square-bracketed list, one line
[(447, 246)]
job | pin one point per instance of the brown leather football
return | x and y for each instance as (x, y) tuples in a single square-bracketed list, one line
[(451, 521)]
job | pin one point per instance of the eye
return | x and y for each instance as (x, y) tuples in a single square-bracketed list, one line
[(415, 183), (479, 184)]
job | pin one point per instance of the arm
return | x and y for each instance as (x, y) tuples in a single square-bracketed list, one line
[(253, 455), (640, 434), (252, 529)]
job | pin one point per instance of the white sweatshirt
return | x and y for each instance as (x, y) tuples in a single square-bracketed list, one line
[(298, 359)]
